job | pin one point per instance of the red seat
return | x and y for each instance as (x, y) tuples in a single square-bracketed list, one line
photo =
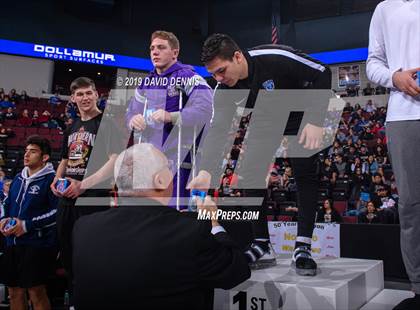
[(44, 131), (350, 219), (31, 131), (270, 218), (18, 130), (284, 218), (9, 123), (340, 206), (56, 145)]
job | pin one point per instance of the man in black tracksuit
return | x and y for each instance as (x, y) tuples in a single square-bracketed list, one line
[(276, 67)]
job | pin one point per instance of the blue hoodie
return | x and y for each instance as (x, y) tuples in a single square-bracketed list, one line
[(32, 201)]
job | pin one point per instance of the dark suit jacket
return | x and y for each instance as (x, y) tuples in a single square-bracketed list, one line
[(151, 257)]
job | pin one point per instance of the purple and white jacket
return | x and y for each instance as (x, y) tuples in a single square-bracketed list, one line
[(162, 91)]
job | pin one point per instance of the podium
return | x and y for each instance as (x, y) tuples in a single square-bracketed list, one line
[(341, 283)]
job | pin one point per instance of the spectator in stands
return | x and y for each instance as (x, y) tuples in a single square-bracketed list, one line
[(55, 99), (357, 125), (60, 120), (6, 103), (348, 144), (381, 159), (353, 135), (381, 172), (25, 120), (5, 190), (376, 184), (1, 91), (378, 129), (351, 155), (380, 115), (30, 253), (370, 107), (364, 153), (352, 90), (229, 179), (371, 216), (335, 149), (386, 204), (360, 182), (357, 113), (235, 152), (69, 122), (328, 173), (341, 136), (372, 165), (367, 134), (24, 96), (328, 214), (273, 183), (368, 90), (348, 108), (13, 96), (35, 118), (44, 119), (341, 166), (102, 102), (358, 164), (71, 110), (380, 90), (287, 180), (364, 122), (281, 152), (10, 114)]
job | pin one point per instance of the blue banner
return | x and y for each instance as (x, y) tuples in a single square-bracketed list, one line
[(120, 61)]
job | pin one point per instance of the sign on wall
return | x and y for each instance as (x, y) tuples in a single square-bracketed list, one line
[(325, 238), (348, 75)]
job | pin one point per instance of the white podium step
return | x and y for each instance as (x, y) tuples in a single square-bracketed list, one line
[(387, 299), (341, 283)]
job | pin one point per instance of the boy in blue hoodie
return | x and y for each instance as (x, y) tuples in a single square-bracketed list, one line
[(31, 239)]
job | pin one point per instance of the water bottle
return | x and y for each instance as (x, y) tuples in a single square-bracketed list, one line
[(195, 195), (66, 299), (137, 136)]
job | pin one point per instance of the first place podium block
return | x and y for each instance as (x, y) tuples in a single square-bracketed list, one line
[(341, 283)]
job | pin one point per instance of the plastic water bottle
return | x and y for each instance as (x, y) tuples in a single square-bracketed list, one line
[(137, 136), (195, 196), (66, 299)]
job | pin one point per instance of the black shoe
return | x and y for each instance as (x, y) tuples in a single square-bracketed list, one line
[(412, 303), (268, 259), (303, 262)]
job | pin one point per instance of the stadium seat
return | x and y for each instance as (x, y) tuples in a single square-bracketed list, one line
[(284, 218), (350, 219), (31, 131), (339, 195), (340, 206)]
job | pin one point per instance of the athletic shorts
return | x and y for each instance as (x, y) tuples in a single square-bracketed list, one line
[(26, 266)]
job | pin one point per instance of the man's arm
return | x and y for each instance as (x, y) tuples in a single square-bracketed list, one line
[(77, 188), (199, 107), (377, 68), (4, 213), (221, 263), (46, 219), (135, 108)]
